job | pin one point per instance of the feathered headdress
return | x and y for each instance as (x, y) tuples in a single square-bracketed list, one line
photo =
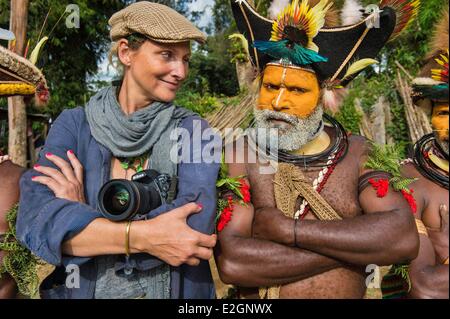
[(432, 83), (434, 87), (406, 11), (19, 76), (300, 36), (293, 33)]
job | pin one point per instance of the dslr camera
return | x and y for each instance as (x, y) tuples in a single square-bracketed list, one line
[(121, 199)]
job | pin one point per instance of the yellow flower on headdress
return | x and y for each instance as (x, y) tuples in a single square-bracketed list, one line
[(299, 21), (441, 74)]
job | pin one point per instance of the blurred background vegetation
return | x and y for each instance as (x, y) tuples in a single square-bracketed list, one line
[(72, 58)]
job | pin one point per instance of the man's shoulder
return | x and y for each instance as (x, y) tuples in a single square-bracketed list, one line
[(358, 143)]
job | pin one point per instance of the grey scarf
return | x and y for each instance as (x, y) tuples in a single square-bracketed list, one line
[(135, 134)]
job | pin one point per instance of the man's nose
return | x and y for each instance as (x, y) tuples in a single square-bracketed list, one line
[(279, 103)]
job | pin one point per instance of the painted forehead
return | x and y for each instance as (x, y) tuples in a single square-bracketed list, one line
[(441, 105), (290, 76)]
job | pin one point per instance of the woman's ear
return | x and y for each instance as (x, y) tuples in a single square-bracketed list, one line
[(124, 52)]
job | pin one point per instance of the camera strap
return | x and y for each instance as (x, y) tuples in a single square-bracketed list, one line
[(172, 189)]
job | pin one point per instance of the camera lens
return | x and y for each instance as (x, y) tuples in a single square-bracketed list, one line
[(117, 199), (121, 199)]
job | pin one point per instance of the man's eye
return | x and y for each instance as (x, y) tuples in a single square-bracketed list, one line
[(443, 113), (298, 90), (271, 86)]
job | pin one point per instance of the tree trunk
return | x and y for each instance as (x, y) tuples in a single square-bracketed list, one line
[(245, 75), (17, 116), (378, 119)]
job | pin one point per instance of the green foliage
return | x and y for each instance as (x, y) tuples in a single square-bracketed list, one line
[(196, 102), (262, 6), (401, 183), (210, 69), (348, 115), (237, 51), (387, 158), (402, 271), (19, 262)]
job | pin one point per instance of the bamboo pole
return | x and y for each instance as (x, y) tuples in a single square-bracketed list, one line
[(418, 123), (17, 117)]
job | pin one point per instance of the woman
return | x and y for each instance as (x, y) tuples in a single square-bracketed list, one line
[(120, 130)]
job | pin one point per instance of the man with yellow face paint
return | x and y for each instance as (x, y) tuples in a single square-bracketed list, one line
[(313, 226), (429, 273)]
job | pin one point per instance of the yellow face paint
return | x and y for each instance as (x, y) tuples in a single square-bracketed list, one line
[(439, 120), (290, 90)]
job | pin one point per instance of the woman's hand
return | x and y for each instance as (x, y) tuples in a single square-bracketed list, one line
[(170, 238), (67, 182)]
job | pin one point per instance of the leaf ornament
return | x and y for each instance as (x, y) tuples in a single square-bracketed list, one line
[(293, 33), (37, 50), (357, 67), (243, 40), (406, 11), (334, 92)]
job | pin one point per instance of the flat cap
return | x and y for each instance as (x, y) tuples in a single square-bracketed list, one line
[(155, 21)]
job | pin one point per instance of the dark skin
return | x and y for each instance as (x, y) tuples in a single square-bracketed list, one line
[(428, 275), (9, 196), (256, 247)]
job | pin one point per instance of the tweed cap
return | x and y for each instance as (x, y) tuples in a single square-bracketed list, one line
[(156, 21)]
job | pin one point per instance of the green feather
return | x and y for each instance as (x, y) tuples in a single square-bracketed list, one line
[(297, 54)]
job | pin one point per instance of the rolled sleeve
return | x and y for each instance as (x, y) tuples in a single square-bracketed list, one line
[(44, 221)]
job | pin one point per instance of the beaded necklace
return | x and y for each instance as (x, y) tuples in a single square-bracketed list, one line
[(135, 163), (320, 181), (424, 165)]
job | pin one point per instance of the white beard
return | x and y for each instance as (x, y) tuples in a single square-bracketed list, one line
[(290, 136), (442, 144)]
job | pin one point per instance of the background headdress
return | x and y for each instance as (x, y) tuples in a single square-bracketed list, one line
[(432, 82), (19, 76)]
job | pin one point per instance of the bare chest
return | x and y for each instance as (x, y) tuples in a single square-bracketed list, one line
[(340, 189), (434, 199)]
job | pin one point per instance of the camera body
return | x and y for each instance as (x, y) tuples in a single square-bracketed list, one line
[(121, 199)]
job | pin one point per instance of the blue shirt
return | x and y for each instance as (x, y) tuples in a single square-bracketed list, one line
[(44, 221)]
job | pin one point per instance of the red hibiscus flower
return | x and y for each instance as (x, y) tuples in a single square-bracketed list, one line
[(225, 217), (381, 186), (245, 191), (408, 195)]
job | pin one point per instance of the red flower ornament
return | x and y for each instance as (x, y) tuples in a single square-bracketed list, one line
[(381, 186), (245, 191), (225, 217), (408, 195)]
